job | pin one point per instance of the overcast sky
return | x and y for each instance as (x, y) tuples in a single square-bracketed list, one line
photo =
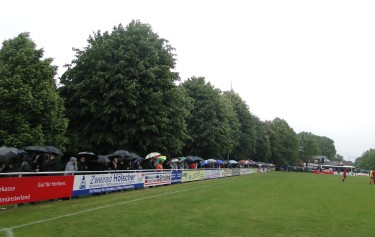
[(310, 63)]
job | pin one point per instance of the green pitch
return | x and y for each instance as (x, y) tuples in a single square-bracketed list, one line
[(269, 204)]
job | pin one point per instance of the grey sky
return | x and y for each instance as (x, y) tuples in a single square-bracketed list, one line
[(308, 62)]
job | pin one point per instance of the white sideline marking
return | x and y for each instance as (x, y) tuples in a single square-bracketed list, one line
[(9, 231)]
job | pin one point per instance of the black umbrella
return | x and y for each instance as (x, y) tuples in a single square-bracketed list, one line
[(103, 159), (54, 150), (133, 155), (189, 158), (197, 158), (122, 153), (7, 153), (88, 155), (35, 149)]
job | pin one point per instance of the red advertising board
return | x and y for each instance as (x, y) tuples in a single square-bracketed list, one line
[(36, 188)]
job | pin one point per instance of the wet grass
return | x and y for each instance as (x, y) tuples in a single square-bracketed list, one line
[(270, 204)]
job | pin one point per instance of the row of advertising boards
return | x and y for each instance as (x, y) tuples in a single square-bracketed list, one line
[(15, 190)]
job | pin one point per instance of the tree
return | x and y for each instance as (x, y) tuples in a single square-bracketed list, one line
[(246, 138), (366, 161), (326, 146), (120, 93), (31, 110), (308, 146), (284, 142), (263, 146), (212, 123), (338, 157)]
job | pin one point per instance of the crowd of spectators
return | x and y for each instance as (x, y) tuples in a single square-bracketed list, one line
[(50, 162)]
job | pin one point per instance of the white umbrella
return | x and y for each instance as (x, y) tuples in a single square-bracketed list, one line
[(152, 154), (174, 160), (209, 161)]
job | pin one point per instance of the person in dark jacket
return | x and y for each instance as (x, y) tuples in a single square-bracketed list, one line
[(82, 164), (113, 165), (52, 163), (26, 164), (5, 167)]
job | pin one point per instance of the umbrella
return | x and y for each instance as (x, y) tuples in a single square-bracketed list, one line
[(138, 159), (133, 155), (232, 162), (152, 154), (219, 162), (209, 161), (103, 159), (182, 158), (88, 155), (121, 153), (54, 150), (36, 149), (174, 160), (194, 158), (7, 153), (189, 158), (203, 162), (160, 158)]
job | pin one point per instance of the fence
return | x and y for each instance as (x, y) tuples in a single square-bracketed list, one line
[(18, 188)]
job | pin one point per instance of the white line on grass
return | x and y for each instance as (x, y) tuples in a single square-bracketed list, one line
[(10, 233)]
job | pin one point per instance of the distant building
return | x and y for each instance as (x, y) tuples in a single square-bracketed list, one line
[(321, 160)]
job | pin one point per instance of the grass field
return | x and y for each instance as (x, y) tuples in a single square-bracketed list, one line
[(269, 204)]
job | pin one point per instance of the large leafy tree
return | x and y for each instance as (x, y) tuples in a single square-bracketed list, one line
[(31, 110), (263, 146), (366, 161), (120, 93), (212, 123), (284, 142), (308, 146), (326, 147), (246, 139)]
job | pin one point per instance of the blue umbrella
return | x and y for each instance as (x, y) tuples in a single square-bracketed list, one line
[(219, 162), (203, 163)]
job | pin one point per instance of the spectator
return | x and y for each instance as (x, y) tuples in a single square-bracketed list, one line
[(71, 166), (113, 165), (137, 165), (5, 167), (82, 165), (159, 166), (192, 165), (52, 164), (26, 164), (127, 164), (37, 163), (120, 163)]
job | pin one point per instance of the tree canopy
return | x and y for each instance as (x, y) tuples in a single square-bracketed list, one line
[(284, 142), (120, 92), (367, 160), (31, 110), (308, 146), (212, 123), (263, 145), (245, 140)]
